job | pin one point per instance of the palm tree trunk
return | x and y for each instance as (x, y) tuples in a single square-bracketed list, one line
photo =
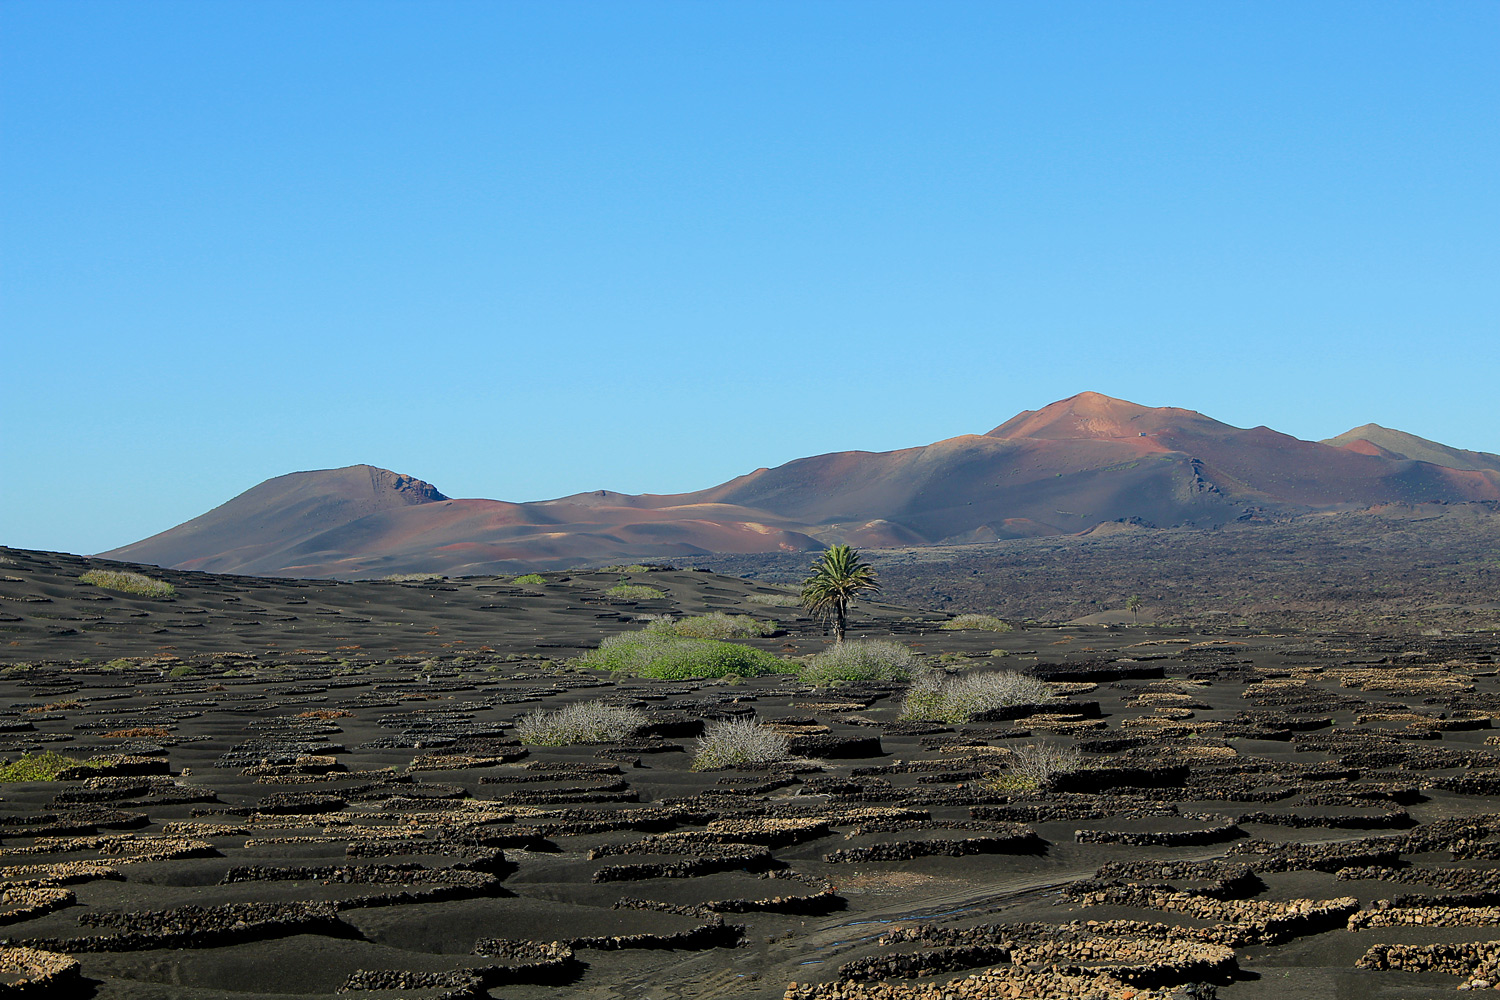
[(838, 623)]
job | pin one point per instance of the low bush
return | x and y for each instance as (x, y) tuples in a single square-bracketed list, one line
[(584, 722), (714, 625), (412, 577), (530, 579), (128, 583), (644, 654), (44, 766), (986, 623), (1034, 766), (860, 660), (739, 743), (937, 697), (776, 600), (636, 592)]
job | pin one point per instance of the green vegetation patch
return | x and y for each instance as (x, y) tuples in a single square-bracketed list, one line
[(636, 592), (860, 660), (644, 654), (714, 625), (129, 583), (45, 766), (775, 600), (412, 577), (985, 623), (530, 579)]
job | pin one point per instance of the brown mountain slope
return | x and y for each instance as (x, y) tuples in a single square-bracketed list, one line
[(1061, 469), (255, 528), (1399, 444)]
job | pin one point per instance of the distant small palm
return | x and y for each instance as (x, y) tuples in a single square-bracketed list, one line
[(837, 578)]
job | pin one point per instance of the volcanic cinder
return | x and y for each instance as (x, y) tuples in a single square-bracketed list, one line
[(308, 788)]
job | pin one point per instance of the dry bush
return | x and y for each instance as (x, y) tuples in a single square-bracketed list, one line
[(986, 623), (740, 743), (1035, 765), (776, 600), (938, 697), (584, 722), (128, 583)]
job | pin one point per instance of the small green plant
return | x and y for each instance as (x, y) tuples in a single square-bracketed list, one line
[(775, 600), (636, 592), (117, 664), (412, 577), (45, 766), (643, 654), (584, 722), (128, 583), (860, 660), (739, 743), (714, 625), (182, 671), (530, 580), (938, 697), (987, 623)]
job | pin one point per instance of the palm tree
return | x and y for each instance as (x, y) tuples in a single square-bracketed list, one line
[(837, 578)]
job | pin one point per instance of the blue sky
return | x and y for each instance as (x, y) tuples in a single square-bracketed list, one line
[(522, 250)]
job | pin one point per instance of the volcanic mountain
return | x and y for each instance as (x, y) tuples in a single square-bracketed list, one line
[(1065, 468)]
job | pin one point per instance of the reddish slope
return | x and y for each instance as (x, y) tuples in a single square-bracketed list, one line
[(1063, 468), (256, 527), (1375, 439)]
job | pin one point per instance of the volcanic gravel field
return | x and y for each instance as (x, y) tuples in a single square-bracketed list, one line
[(306, 788)]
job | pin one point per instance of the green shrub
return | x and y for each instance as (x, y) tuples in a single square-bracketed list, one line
[(39, 766), (643, 654), (412, 577), (860, 660), (938, 697), (632, 568), (775, 600), (182, 671), (128, 583), (636, 592), (739, 743), (986, 623), (530, 579), (584, 722), (714, 625)]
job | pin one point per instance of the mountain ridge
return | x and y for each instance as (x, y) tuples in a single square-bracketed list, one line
[(1077, 463)]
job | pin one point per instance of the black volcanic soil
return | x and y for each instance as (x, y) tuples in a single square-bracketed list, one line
[(1399, 567), (312, 787)]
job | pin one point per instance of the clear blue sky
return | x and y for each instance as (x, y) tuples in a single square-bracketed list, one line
[(522, 250)]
